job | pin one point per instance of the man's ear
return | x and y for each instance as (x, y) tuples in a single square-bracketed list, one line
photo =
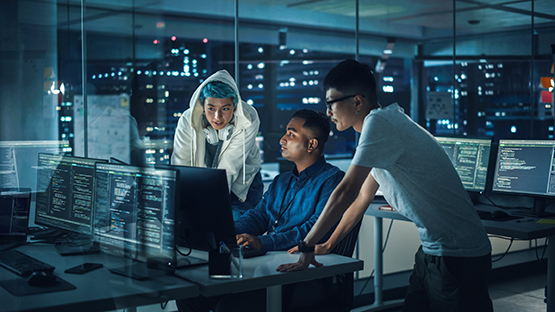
[(358, 100), (313, 145)]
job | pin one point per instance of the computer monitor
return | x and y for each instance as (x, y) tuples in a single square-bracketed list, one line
[(14, 215), (68, 197), (135, 211), (18, 159), (204, 217), (526, 167), (471, 158)]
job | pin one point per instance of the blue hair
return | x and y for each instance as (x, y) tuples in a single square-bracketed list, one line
[(219, 90)]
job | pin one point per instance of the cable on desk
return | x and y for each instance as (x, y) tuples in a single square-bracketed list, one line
[(163, 305), (181, 253), (491, 201), (544, 249), (506, 251), (383, 249), (520, 239)]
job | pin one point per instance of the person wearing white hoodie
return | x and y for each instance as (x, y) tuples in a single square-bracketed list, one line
[(218, 130)]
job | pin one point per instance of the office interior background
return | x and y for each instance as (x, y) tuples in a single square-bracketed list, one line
[(112, 77)]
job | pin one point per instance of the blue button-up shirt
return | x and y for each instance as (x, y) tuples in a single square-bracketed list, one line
[(295, 201)]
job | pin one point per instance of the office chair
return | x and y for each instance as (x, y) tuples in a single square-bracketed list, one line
[(335, 293)]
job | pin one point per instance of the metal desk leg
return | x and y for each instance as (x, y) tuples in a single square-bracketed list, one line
[(273, 298), (378, 304), (378, 261), (551, 274)]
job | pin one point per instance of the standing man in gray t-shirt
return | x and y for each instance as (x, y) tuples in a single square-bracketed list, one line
[(418, 180)]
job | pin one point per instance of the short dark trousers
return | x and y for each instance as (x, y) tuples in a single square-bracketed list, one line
[(445, 284)]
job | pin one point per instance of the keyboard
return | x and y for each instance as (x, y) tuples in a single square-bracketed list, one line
[(22, 264), (252, 252)]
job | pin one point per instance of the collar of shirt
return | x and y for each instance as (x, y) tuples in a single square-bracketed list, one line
[(305, 174)]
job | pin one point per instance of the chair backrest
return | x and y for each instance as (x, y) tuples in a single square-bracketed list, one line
[(346, 246)]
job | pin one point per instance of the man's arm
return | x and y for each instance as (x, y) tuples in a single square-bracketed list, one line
[(290, 233), (350, 218), (255, 221), (340, 200)]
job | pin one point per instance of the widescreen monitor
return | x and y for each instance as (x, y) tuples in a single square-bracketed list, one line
[(204, 216), (68, 197), (135, 211), (525, 167), (18, 160), (471, 158)]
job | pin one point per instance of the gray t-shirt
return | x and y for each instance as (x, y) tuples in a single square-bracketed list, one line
[(419, 181)]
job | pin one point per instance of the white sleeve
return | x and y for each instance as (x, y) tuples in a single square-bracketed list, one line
[(182, 143)]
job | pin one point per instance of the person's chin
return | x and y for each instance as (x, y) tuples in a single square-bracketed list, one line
[(284, 154), (340, 127)]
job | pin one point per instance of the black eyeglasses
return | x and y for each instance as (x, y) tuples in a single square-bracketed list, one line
[(330, 102)]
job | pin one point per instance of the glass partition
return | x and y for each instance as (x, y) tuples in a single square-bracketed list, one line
[(142, 60)]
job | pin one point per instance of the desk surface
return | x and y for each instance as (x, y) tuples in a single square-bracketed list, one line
[(525, 228), (98, 290), (260, 272)]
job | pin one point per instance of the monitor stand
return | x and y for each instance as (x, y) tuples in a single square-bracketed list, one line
[(188, 261), (140, 271), (540, 204), (539, 209), (70, 249)]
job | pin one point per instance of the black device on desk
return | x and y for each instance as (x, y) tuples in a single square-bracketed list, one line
[(84, 268), (204, 216), (496, 215), (135, 217), (525, 168), (41, 279), (14, 216), (22, 264), (66, 204)]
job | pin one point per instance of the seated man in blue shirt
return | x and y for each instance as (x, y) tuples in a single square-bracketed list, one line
[(295, 199), (291, 205)]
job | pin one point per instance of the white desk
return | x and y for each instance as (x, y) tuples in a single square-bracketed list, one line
[(260, 272), (98, 290)]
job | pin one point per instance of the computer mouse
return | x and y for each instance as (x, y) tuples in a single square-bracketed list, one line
[(498, 214), (41, 279)]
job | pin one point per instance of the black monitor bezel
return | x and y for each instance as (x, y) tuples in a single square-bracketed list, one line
[(540, 200), (521, 193), (203, 229)]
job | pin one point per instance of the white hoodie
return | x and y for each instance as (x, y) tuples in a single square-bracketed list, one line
[(239, 155)]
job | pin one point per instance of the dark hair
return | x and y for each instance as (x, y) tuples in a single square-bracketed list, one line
[(219, 90), (317, 123), (351, 77)]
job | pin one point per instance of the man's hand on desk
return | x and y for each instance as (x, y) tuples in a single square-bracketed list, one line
[(305, 259), (320, 249), (248, 240)]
